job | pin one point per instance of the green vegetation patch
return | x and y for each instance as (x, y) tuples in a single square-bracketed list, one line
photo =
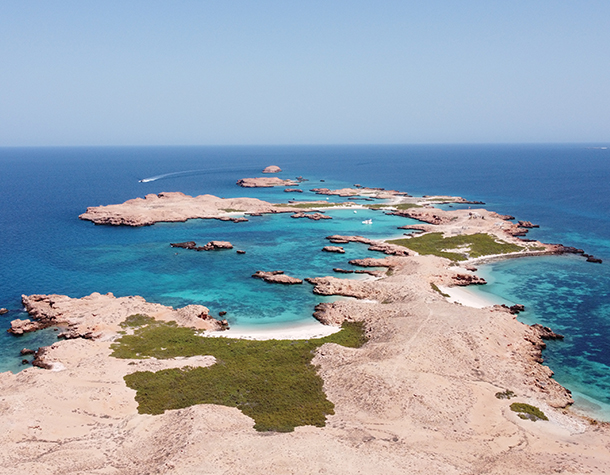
[(507, 394), (479, 245), (525, 411), (137, 320), (436, 289), (232, 210), (272, 381)]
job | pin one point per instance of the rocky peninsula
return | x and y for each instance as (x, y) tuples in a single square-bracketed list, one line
[(429, 392)]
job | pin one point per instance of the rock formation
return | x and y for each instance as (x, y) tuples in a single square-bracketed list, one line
[(210, 246), (19, 327), (272, 169), (97, 315), (468, 279), (546, 333), (276, 277), (314, 216), (337, 249), (176, 207), (264, 182), (371, 262), (430, 216)]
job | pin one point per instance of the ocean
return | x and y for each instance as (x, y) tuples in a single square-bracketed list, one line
[(47, 249)]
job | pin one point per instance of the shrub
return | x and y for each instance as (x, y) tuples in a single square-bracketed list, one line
[(525, 411), (272, 381)]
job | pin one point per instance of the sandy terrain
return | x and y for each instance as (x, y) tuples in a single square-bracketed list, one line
[(418, 398)]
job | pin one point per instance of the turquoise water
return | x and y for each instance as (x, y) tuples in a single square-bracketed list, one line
[(46, 249), (571, 296)]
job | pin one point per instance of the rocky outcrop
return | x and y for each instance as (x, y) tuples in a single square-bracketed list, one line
[(430, 216), (344, 192), (505, 217), (210, 246), (467, 279), (546, 333), (371, 262), (293, 190), (337, 239), (389, 249), (184, 245), (73, 333), (377, 193), (374, 273), (264, 182), (217, 245), (3, 311), (276, 277), (379, 246), (597, 260), (329, 313), (40, 356), (338, 270), (100, 315), (513, 309), (337, 249), (272, 169), (314, 216), (19, 327), (346, 287), (528, 224), (175, 207), (541, 376)]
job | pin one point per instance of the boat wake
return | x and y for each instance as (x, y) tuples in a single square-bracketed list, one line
[(191, 173)]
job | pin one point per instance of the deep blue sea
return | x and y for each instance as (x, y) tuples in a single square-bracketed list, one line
[(47, 249)]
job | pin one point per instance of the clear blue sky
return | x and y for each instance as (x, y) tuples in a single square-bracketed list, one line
[(303, 72)]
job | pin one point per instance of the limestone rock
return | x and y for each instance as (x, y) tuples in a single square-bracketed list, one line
[(314, 216), (19, 327), (276, 277), (264, 182), (337, 249), (468, 279), (272, 169)]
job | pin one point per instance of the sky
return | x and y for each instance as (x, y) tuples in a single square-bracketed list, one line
[(231, 72)]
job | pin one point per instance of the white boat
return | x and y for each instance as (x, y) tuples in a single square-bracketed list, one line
[(367, 221)]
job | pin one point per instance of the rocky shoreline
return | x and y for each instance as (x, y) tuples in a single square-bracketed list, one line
[(419, 397)]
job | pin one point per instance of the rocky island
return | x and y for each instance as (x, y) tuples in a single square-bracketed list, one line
[(431, 388)]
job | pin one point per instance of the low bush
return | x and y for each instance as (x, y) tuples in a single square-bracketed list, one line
[(272, 381), (526, 411)]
